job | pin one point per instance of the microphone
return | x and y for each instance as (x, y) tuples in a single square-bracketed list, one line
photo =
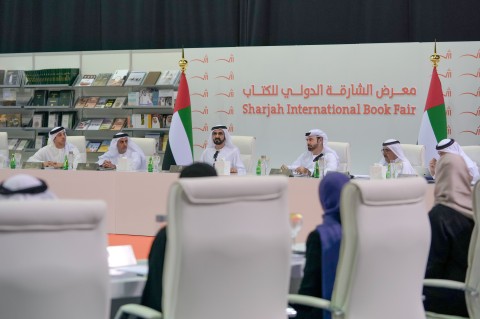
[(318, 157), (215, 156)]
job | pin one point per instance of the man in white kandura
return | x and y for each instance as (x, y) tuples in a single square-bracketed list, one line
[(393, 152), (53, 154), (317, 147), (121, 146), (220, 146), (25, 187), (449, 145)]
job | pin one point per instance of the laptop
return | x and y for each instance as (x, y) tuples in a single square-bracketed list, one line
[(279, 171), (176, 168), (88, 167), (32, 165)]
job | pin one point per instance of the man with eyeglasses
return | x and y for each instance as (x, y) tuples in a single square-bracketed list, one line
[(393, 153), (220, 146), (317, 147)]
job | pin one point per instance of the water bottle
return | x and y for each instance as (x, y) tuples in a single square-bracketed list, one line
[(70, 159), (65, 163), (150, 165), (13, 163), (316, 171), (259, 168)]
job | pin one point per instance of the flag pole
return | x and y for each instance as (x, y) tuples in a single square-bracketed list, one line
[(183, 63), (435, 58)]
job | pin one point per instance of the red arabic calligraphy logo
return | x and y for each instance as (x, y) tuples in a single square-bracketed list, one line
[(475, 56), (204, 60), (204, 128), (230, 94), (448, 92), (230, 128), (447, 56), (231, 59), (204, 111), (477, 113), (449, 111), (204, 94), (204, 77), (446, 75), (477, 132), (471, 74), (476, 94), (229, 112), (228, 78), (449, 130), (204, 145)]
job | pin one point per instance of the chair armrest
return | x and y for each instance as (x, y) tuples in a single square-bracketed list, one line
[(138, 311), (444, 283), (309, 301)]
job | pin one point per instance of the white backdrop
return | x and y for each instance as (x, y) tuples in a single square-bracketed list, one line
[(225, 82)]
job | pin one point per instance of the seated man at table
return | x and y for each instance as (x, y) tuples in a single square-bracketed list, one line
[(393, 152), (121, 146), (53, 154), (152, 293), (220, 146), (317, 147)]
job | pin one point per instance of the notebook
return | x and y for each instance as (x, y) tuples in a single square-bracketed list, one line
[(176, 168), (279, 171), (87, 167), (32, 165)]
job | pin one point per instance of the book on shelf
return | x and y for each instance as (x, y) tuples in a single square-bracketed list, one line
[(53, 120), (133, 98), (87, 80), (22, 144), (13, 77), (95, 124), (165, 98), (109, 103), (92, 146), (40, 141), (151, 78), (26, 119), (135, 78), (119, 102), (9, 97), (140, 120), (106, 124), (83, 125), (157, 120), (91, 102), (12, 143), (168, 120), (118, 78), (53, 97), (81, 102), (37, 120), (101, 102), (118, 124), (104, 146), (67, 119), (169, 78), (164, 141), (3, 120), (66, 97), (101, 79), (147, 97), (157, 137), (14, 120), (39, 98), (2, 76)]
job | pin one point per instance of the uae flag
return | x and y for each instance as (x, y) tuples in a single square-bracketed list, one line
[(433, 128), (179, 149)]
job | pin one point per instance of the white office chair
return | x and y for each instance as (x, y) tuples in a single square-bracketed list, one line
[(416, 155), (473, 151), (471, 286), (4, 144), (147, 144), (80, 143), (246, 145), (343, 152), (228, 249), (54, 261), (383, 253)]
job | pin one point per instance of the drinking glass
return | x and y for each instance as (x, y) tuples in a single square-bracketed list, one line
[(265, 163), (296, 222), (18, 160), (156, 162)]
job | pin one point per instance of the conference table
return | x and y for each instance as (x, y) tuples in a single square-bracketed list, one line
[(134, 199)]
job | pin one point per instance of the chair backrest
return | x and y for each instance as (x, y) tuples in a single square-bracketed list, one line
[(147, 144), (384, 249), (80, 142), (473, 272), (416, 155), (228, 248), (473, 151), (246, 145), (343, 151), (54, 261), (4, 144)]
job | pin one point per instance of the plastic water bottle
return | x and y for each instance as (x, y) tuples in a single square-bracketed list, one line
[(65, 163), (259, 168), (316, 171), (13, 162), (70, 160), (150, 165)]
